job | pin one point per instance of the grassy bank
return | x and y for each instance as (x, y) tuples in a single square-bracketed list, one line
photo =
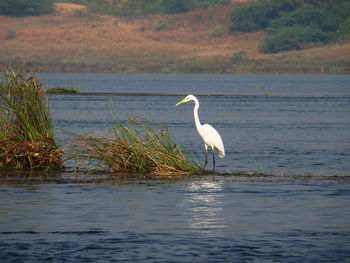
[(26, 130)]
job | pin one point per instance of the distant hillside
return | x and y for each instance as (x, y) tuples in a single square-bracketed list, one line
[(294, 25), (199, 41)]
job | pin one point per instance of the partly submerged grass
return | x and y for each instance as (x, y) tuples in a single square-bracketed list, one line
[(24, 113), (26, 128), (62, 90), (136, 147)]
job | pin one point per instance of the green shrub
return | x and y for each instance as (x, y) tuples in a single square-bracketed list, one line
[(183, 6), (292, 24), (178, 6), (160, 24), (327, 19), (11, 34), (344, 28), (252, 17), (256, 15), (239, 57), (289, 38), (311, 16), (141, 7), (137, 8), (26, 7), (219, 31)]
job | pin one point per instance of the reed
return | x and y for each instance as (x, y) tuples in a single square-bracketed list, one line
[(136, 147), (26, 128)]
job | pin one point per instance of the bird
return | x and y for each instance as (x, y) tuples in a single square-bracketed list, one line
[(209, 134)]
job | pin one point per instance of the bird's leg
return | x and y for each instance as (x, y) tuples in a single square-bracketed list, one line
[(213, 162), (206, 157)]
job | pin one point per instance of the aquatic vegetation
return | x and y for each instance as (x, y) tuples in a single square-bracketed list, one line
[(26, 129), (135, 147), (35, 154), (65, 90)]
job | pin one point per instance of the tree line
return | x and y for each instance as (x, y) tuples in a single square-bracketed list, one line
[(111, 7), (26, 7), (293, 24)]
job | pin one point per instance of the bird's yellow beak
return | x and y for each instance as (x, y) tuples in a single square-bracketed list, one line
[(180, 102)]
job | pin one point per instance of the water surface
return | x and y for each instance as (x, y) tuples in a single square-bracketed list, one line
[(302, 127), (300, 85), (299, 132), (189, 221)]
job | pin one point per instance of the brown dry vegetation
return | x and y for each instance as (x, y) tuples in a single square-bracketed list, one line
[(199, 41), (37, 154)]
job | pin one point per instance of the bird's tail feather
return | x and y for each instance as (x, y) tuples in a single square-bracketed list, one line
[(221, 153)]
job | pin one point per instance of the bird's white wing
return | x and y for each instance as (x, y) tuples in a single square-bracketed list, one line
[(212, 138)]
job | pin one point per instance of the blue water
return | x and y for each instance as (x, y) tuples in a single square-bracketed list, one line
[(191, 221), (300, 85), (302, 127), (300, 133)]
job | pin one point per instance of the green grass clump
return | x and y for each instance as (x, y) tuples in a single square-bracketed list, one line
[(161, 24), (136, 147), (62, 90), (26, 129)]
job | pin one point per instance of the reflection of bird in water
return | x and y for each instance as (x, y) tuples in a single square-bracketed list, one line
[(208, 133)]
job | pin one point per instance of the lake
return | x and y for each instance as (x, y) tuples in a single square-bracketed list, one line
[(302, 127), (293, 126)]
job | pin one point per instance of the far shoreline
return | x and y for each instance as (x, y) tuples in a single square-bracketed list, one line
[(110, 69)]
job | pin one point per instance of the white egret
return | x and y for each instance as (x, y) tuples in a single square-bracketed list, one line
[(209, 135)]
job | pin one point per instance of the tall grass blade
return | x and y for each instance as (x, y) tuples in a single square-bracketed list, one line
[(26, 128)]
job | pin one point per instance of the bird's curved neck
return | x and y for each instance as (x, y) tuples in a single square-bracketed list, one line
[(195, 112)]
